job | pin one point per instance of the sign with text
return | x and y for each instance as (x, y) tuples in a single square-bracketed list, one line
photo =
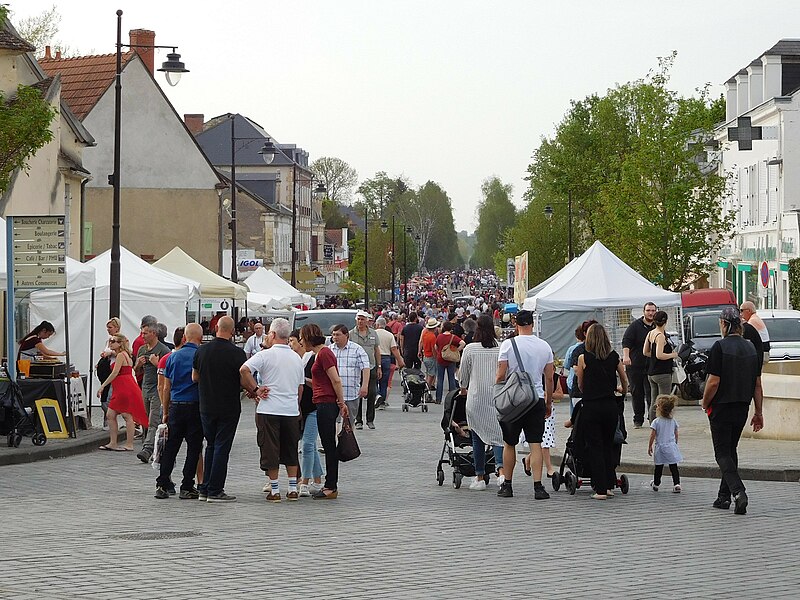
[(39, 252)]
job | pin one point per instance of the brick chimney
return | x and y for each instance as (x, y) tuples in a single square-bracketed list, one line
[(47, 52), (194, 123), (147, 38)]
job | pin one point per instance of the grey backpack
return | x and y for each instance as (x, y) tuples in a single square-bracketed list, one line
[(517, 395)]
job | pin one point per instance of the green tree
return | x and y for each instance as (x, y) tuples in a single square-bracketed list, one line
[(40, 30), (338, 177), (332, 215), (380, 192), (496, 213), (630, 162)]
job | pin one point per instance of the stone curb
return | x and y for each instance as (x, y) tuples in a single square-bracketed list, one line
[(27, 452), (776, 473)]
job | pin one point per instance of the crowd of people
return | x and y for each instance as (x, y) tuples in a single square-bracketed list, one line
[(303, 386)]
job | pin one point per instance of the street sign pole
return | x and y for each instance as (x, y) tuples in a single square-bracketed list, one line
[(12, 362)]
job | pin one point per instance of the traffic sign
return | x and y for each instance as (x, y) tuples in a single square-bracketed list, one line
[(40, 246), (39, 232), (34, 270), (37, 221), (764, 274), (28, 258), (39, 251), (40, 281)]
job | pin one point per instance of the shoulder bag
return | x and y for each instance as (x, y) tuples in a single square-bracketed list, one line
[(517, 395), (347, 447), (449, 353)]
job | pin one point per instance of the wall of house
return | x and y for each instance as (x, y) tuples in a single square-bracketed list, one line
[(153, 221), (157, 150)]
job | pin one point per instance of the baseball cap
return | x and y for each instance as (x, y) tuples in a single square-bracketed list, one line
[(730, 314), (364, 314), (524, 317)]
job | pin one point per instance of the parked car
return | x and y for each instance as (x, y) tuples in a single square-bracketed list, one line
[(707, 299), (784, 333), (326, 318), (701, 329)]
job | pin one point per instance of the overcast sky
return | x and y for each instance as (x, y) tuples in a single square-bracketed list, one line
[(452, 91)]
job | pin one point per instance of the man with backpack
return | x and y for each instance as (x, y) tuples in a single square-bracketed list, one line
[(531, 354)]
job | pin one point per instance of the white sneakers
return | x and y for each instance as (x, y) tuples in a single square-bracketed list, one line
[(653, 486), (479, 484), (676, 489), (500, 480), (304, 493), (267, 487)]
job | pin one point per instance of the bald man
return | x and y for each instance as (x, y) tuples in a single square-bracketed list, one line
[(749, 316), (216, 370), (181, 413)]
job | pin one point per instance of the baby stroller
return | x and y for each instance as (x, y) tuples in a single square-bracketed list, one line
[(574, 470), (415, 390), (457, 449), (16, 419)]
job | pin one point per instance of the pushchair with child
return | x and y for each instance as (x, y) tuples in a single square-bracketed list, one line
[(457, 449), (574, 470), (16, 419), (415, 390)]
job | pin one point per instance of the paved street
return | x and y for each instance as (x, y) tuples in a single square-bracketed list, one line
[(88, 526)]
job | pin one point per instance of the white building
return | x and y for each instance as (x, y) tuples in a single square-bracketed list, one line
[(766, 180)]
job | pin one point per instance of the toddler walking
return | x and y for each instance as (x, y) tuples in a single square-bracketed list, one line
[(664, 437)]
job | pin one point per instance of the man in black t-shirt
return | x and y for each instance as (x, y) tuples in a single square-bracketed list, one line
[(409, 342), (734, 379), (636, 362)]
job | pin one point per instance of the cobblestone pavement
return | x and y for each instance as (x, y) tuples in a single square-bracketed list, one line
[(88, 526)]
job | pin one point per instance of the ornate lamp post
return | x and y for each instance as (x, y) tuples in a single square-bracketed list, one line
[(548, 212)]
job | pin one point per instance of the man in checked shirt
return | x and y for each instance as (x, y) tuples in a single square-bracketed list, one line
[(353, 364)]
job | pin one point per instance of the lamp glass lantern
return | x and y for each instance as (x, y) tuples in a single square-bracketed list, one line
[(173, 68)]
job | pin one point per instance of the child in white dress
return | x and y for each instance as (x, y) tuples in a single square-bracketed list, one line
[(664, 440)]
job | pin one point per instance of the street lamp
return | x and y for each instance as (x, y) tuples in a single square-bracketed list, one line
[(548, 213), (172, 68), (319, 193), (384, 229), (267, 153), (407, 231)]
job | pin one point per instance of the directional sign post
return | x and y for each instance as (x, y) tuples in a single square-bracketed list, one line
[(35, 259)]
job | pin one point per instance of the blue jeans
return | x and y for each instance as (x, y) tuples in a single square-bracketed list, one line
[(310, 466), (479, 455), (386, 371), (184, 424), (450, 369), (219, 431)]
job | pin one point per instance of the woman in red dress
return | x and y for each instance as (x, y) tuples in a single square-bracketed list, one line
[(126, 397)]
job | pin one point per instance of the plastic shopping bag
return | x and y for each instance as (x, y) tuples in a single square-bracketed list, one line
[(162, 433)]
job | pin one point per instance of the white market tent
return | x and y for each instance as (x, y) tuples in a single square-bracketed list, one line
[(269, 283), (144, 290), (176, 261), (596, 285)]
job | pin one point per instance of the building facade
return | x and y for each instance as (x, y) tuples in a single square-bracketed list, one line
[(765, 190)]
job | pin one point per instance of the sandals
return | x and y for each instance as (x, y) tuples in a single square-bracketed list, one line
[(599, 497)]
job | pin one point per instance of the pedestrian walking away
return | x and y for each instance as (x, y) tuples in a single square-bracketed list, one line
[(733, 381), (280, 371)]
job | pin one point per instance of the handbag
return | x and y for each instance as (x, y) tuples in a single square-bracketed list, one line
[(517, 395), (451, 354), (678, 372), (346, 446)]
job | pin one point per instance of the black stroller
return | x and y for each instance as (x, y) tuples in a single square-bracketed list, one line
[(574, 470), (415, 390), (457, 450), (15, 418)]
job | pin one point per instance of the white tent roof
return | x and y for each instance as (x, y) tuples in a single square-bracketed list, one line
[(176, 261), (140, 277), (597, 279), (268, 282)]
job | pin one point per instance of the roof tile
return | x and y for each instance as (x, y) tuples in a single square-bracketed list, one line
[(84, 79)]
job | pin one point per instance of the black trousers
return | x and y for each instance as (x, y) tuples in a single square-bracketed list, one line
[(184, 424), (412, 360), (369, 401), (327, 412), (673, 468), (727, 422), (599, 422), (640, 392)]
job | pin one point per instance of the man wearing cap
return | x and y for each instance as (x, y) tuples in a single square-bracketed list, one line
[(365, 336), (353, 365), (537, 360), (733, 380)]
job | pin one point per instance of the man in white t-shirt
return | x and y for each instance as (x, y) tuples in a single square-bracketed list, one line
[(280, 370), (253, 344), (537, 360)]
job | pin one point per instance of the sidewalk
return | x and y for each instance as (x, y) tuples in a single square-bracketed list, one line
[(86, 441), (760, 460)]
